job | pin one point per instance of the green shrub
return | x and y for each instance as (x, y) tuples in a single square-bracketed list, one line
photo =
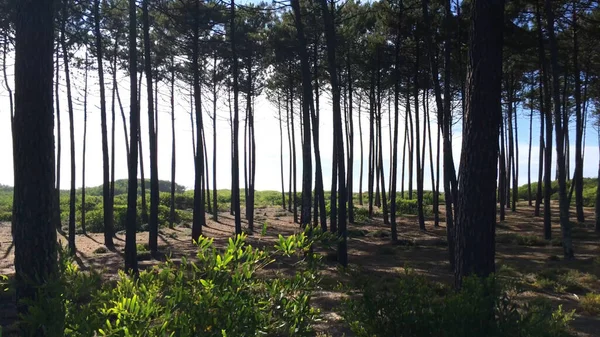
[(222, 294), (590, 303), (5, 216), (412, 306)]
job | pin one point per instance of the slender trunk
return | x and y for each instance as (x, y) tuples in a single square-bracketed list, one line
[(281, 152), (131, 265), (72, 196), (417, 148), (108, 205), (578, 181), (85, 92), (57, 215), (330, 35), (597, 209), (394, 171), (124, 121), (173, 156), (558, 125), (511, 148), (515, 190), (113, 128), (538, 197), (350, 132), (371, 168), (320, 208), (294, 176), (235, 193), (529, 201), (434, 192), (289, 136), (215, 201), (362, 158), (199, 218), (547, 106), (502, 174)]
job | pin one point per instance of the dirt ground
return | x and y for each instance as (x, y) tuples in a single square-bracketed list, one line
[(370, 249)]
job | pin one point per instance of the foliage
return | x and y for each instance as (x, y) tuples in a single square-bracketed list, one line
[(412, 306), (590, 303), (220, 293)]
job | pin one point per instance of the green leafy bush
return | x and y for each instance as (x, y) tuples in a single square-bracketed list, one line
[(412, 306), (590, 303), (223, 293)]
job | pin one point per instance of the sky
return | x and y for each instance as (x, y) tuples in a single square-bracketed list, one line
[(268, 174)]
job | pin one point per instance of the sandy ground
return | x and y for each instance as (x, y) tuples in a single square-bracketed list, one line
[(370, 248)]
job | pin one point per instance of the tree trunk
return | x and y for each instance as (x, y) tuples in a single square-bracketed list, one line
[(538, 197), (131, 265), (235, 170), (57, 215), (548, 120), (85, 95), (558, 125), (529, 201), (320, 208), (281, 152), (113, 117), (108, 206), (173, 153), (417, 148), (72, 197), (199, 219), (34, 193), (578, 181), (215, 201), (502, 174), (330, 36), (362, 158), (476, 203)]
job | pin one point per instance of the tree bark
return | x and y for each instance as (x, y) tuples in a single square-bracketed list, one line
[(34, 193), (85, 97), (72, 197), (558, 125), (108, 206), (330, 36), (235, 169), (476, 203), (199, 219), (154, 197), (131, 265), (173, 152), (578, 181)]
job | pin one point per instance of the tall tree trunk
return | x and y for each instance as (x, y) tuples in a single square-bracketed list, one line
[(124, 120), (547, 106), (370, 169), (34, 193), (476, 203), (362, 158), (558, 125), (131, 264), (294, 166), (215, 201), (578, 181), (515, 181), (330, 36), (57, 215), (108, 206), (394, 171), (307, 101), (113, 117), (85, 96), (290, 164), (417, 148), (597, 209), (320, 208), (511, 147), (199, 219), (173, 153), (154, 197), (235, 170), (350, 176), (502, 174), (434, 192), (538, 197), (529, 201), (72, 197), (281, 152)]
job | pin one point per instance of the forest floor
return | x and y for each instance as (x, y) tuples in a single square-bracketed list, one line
[(520, 250)]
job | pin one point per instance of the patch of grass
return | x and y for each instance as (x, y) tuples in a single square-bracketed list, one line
[(590, 303), (142, 248), (380, 233), (526, 240), (562, 280), (101, 250), (357, 232)]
